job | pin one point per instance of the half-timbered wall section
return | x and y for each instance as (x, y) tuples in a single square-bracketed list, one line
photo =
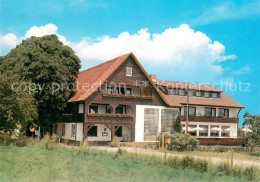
[(114, 104)]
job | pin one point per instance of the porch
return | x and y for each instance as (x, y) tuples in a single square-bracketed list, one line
[(95, 132)]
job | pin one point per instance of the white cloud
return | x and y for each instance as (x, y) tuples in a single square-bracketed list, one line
[(9, 40), (182, 49), (226, 11), (181, 52), (45, 30)]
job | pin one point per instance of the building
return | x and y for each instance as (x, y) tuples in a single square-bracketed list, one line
[(118, 98)]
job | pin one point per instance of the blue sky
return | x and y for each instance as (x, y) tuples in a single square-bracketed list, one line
[(196, 41)]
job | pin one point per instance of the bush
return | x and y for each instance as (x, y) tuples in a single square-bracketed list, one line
[(115, 142), (250, 173), (182, 142)]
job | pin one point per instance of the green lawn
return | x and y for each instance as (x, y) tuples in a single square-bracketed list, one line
[(34, 164)]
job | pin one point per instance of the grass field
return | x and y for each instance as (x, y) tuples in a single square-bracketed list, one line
[(35, 164)]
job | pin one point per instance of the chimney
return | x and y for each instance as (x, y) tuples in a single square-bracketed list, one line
[(153, 77)]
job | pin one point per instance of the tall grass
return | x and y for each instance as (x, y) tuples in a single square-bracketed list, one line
[(183, 163), (191, 163)]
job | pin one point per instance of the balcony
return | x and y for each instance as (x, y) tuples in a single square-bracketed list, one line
[(110, 115), (210, 119), (127, 96)]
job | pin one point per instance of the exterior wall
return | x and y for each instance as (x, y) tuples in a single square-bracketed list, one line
[(139, 126), (233, 126), (79, 131), (99, 137), (119, 77), (126, 134), (200, 110)]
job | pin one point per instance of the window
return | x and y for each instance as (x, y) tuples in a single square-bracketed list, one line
[(213, 112), (92, 131), (120, 90), (191, 93), (73, 130), (225, 131), (109, 109), (93, 108), (192, 111), (109, 90), (181, 92), (172, 92), (203, 132), (128, 91), (120, 109), (214, 131), (63, 130), (81, 108), (206, 94), (128, 71), (223, 112), (215, 95), (210, 112), (192, 132), (119, 132), (56, 128), (198, 93)]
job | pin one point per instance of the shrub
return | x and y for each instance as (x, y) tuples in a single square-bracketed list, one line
[(250, 173), (115, 142), (182, 142), (187, 162)]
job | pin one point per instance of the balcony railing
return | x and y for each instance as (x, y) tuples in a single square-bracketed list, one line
[(127, 96), (210, 119), (110, 115)]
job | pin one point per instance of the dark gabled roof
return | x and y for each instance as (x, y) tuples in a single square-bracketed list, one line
[(91, 79)]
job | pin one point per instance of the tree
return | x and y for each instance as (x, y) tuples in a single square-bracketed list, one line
[(177, 124), (16, 108), (49, 68), (253, 122)]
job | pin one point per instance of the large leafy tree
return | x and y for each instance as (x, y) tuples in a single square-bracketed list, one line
[(253, 122), (51, 68), (16, 108)]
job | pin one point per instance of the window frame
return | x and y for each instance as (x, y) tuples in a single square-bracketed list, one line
[(93, 105), (93, 127), (180, 91), (73, 130), (185, 110), (224, 112), (207, 93), (197, 93), (216, 95), (63, 129), (130, 69), (120, 131)]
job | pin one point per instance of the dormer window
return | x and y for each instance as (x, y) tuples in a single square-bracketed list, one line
[(128, 71), (198, 94), (181, 92), (206, 94), (215, 95)]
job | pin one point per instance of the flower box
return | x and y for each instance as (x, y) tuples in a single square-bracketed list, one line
[(110, 115), (127, 96)]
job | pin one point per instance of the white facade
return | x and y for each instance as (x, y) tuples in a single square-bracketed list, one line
[(139, 125), (101, 128), (232, 133), (200, 111), (68, 131)]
